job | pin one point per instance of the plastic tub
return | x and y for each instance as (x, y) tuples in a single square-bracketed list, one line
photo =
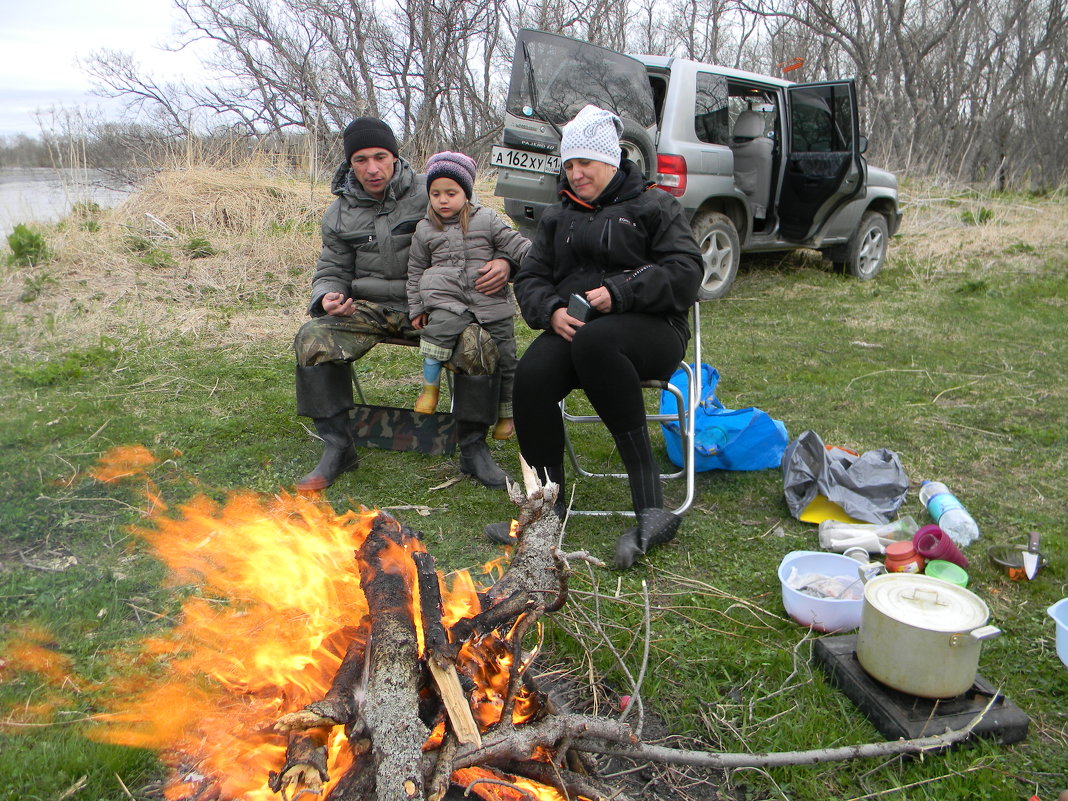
[(947, 571), (1059, 613), (828, 615)]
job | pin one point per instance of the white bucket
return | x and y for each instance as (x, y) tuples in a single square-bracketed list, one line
[(1059, 613), (822, 614)]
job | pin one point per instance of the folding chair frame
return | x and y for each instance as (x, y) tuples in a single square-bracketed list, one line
[(685, 405)]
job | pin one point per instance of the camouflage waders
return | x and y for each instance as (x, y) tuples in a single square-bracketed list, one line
[(325, 346)]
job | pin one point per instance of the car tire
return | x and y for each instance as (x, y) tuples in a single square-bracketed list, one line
[(638, 147), (721, 251), (866, 250)]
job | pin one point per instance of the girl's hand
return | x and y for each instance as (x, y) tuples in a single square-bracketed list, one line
[(601, 299), (419, 321), (564, 325)]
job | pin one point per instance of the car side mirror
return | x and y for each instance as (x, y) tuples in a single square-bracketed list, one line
[(862, 144)]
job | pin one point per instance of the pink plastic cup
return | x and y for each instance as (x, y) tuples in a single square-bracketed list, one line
[(933, 543)]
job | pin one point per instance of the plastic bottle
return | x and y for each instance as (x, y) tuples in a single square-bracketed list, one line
[(873, 537), (948, 513)]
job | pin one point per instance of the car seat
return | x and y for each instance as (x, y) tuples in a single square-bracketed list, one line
[(753, 152)]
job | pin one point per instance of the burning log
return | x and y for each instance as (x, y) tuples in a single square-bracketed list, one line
[(392, 715), (305, 766), (440, 658), (343, 702)]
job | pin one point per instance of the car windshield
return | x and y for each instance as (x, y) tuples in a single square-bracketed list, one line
[(568, 74)]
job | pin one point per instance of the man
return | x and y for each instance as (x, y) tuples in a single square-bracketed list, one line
[(359, 298)]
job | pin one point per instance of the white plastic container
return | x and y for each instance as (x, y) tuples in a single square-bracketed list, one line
[(829, 615), (1059, 613)]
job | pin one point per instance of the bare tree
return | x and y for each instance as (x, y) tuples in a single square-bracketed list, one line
[(969, 88)]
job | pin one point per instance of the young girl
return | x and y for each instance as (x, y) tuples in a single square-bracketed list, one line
[(451, 244)]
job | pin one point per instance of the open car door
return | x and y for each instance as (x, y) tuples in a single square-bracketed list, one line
[(553, 77), (824, 166)]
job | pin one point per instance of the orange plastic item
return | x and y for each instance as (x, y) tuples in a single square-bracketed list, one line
[(901, 557)]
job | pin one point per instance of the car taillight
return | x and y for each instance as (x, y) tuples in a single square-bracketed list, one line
[(671, 174)]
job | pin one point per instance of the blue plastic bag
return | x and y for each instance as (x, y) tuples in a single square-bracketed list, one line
[(724, 439)]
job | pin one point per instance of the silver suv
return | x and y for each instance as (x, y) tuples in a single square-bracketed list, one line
[(759, 163)]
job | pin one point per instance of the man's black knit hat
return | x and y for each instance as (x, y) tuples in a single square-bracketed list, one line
[(368, 132)]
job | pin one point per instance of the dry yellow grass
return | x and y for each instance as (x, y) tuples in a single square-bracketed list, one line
[(264, 226)]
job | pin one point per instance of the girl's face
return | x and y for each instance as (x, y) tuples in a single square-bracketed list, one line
[(446, 197), (588, 178)]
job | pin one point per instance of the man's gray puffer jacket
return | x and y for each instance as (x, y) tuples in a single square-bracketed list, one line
[(443, 265), (366, 241)]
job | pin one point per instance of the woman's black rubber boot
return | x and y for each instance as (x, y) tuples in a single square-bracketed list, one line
[(655, 527)]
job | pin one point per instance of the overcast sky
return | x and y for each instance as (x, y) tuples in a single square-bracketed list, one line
[(41, 40)]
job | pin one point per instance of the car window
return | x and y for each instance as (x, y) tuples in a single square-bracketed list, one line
[(719, 101), (569, 74), (712, 119), (821, 120)]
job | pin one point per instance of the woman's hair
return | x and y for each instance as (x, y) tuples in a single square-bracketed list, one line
[(463, 215)]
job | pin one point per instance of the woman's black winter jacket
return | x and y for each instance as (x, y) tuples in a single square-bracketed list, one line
[(634, 239)]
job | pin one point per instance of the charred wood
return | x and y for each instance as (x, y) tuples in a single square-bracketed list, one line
[(396, 732), (305, 765), (343, 700)]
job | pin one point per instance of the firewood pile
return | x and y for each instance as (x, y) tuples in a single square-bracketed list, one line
[(426, 706)]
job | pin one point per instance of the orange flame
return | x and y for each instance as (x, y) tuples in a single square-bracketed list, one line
[(274, 600)]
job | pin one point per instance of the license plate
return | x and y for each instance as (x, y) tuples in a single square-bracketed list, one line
[(525, 160)]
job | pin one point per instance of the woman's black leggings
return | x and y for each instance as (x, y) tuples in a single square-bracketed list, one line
[(608, 359)]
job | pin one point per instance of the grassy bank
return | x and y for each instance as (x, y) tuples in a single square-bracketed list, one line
[(167, 323)]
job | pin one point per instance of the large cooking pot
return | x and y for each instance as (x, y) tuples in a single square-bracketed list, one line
[(922, 635)]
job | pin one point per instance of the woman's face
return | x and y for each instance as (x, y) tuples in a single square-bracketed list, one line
[(588, 178)]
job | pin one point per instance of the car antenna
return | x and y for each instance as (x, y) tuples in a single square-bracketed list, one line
[(534, 102)]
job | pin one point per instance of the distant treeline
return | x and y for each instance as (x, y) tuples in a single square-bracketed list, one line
[(127, 150)]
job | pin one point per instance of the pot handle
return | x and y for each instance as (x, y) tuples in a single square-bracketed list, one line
[(975, 635)]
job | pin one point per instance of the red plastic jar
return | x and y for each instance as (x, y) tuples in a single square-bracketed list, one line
[(901, 557)]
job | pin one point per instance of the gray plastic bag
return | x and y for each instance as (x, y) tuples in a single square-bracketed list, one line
[(869, 487)]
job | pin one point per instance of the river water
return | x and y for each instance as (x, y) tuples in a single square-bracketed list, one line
[(43, 194)]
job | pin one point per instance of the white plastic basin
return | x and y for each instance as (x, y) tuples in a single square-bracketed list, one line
[(828, 615), (1059, 613)]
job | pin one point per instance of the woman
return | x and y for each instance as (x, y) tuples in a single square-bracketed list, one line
[(625, 248)]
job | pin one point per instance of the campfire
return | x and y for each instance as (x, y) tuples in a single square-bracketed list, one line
[(324, 653)]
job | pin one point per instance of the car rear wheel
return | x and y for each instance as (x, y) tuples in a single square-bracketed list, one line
[(721, 250), (866, 250), (638, 147)]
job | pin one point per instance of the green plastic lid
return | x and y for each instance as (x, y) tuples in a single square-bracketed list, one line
[(947, 571)]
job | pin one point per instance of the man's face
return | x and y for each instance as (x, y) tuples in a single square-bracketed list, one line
[(374, 169)]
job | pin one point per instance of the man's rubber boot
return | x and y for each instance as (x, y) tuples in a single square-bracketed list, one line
[(475, 410), (655, 527), (501, 533), (324, 393), (339, 453)]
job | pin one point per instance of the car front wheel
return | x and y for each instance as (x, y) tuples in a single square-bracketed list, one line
[(866, 250), (721, 250)]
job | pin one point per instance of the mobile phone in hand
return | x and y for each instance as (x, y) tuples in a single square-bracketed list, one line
[(580, 308)]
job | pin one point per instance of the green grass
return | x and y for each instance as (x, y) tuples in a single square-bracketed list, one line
[(958, 366)]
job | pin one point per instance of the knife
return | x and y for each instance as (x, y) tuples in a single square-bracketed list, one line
[(1030, 556)]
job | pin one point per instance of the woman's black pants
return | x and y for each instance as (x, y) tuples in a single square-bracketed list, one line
[(608, 359)]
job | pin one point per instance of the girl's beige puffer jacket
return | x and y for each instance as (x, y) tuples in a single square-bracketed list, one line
[(443, 265)]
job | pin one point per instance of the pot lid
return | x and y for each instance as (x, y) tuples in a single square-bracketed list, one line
[(926, 602)]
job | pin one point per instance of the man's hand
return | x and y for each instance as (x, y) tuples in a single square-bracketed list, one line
[(419, 321), (564, 325), (338, 305), (492, 276)]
